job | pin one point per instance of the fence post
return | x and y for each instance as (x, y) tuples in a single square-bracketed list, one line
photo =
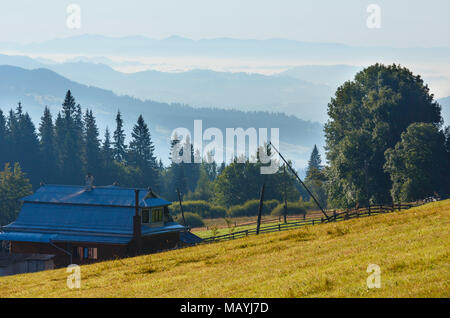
[(369, 209), (261, 201)]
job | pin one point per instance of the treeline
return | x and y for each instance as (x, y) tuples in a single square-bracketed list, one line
[(64, 149)]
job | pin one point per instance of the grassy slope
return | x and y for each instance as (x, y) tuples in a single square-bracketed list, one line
[(411, 247)]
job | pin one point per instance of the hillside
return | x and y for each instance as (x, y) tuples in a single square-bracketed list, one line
[(411, 247)]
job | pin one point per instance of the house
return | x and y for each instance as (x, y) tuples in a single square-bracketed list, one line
[(84, 224)]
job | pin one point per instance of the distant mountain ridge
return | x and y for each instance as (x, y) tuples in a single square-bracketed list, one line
[(40, 87), (200, 88), (222, 47)]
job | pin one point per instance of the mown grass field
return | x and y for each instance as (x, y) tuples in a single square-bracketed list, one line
[(411, 247)]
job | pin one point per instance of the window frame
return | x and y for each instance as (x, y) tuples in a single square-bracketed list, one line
[(148, 217), (160, 214)]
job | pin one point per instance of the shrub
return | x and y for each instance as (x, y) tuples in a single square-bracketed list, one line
[(192, 219), (217, 212), (250, 208), (294, 208), (202, 208)]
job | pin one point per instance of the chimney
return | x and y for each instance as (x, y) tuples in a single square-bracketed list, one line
[(137, 224), (89, 182)]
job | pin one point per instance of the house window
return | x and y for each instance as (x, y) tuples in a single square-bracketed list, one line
[(87, 253), (157, 215), (145, 216), (92, 252)]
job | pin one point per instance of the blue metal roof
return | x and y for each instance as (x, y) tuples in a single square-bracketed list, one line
[(190, 238), (26, 237), (168, 227), (91, 239), (79, 218), (49, 238), (111, 196), (72, 214)]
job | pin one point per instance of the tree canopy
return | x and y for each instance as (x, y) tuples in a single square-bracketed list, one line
[(366, 117)]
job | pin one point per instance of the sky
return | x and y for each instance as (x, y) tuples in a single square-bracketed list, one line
[(404, 23)]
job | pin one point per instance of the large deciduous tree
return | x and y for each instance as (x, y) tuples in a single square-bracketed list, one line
[(367, 117), (13, 186), (418, 163)]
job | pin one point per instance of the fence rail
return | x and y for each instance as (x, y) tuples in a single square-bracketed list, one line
[(336, 216)]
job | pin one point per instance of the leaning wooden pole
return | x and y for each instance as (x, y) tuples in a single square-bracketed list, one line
[(285, 196), (304, 185), (181, 207), (261, 202)]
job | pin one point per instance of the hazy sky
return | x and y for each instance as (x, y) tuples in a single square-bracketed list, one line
[(404, 23)]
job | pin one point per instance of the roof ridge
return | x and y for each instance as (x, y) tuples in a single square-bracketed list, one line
[(94, 187)]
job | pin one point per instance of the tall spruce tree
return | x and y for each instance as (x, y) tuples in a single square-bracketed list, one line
[(119, 149), (69, 140), (2, 139), (141, 154), (23, 142), (47, 146), (92, 144), (315, 162), (109, 171), (107, 151)]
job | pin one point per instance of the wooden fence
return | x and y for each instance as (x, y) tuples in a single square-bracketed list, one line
[(334, 216)]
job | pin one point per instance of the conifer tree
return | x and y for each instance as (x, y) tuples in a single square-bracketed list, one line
[(92, 144), (141, 153), (315, 162), (47, 146), (2, 139), (107, 150), (69, 132), (23, 142), (119, 148)]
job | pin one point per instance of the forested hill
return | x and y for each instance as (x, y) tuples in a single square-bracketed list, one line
[(40, 87)]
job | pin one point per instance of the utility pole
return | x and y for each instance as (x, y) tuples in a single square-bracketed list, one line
[(298, 178), (261, 202), (181, 207)]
